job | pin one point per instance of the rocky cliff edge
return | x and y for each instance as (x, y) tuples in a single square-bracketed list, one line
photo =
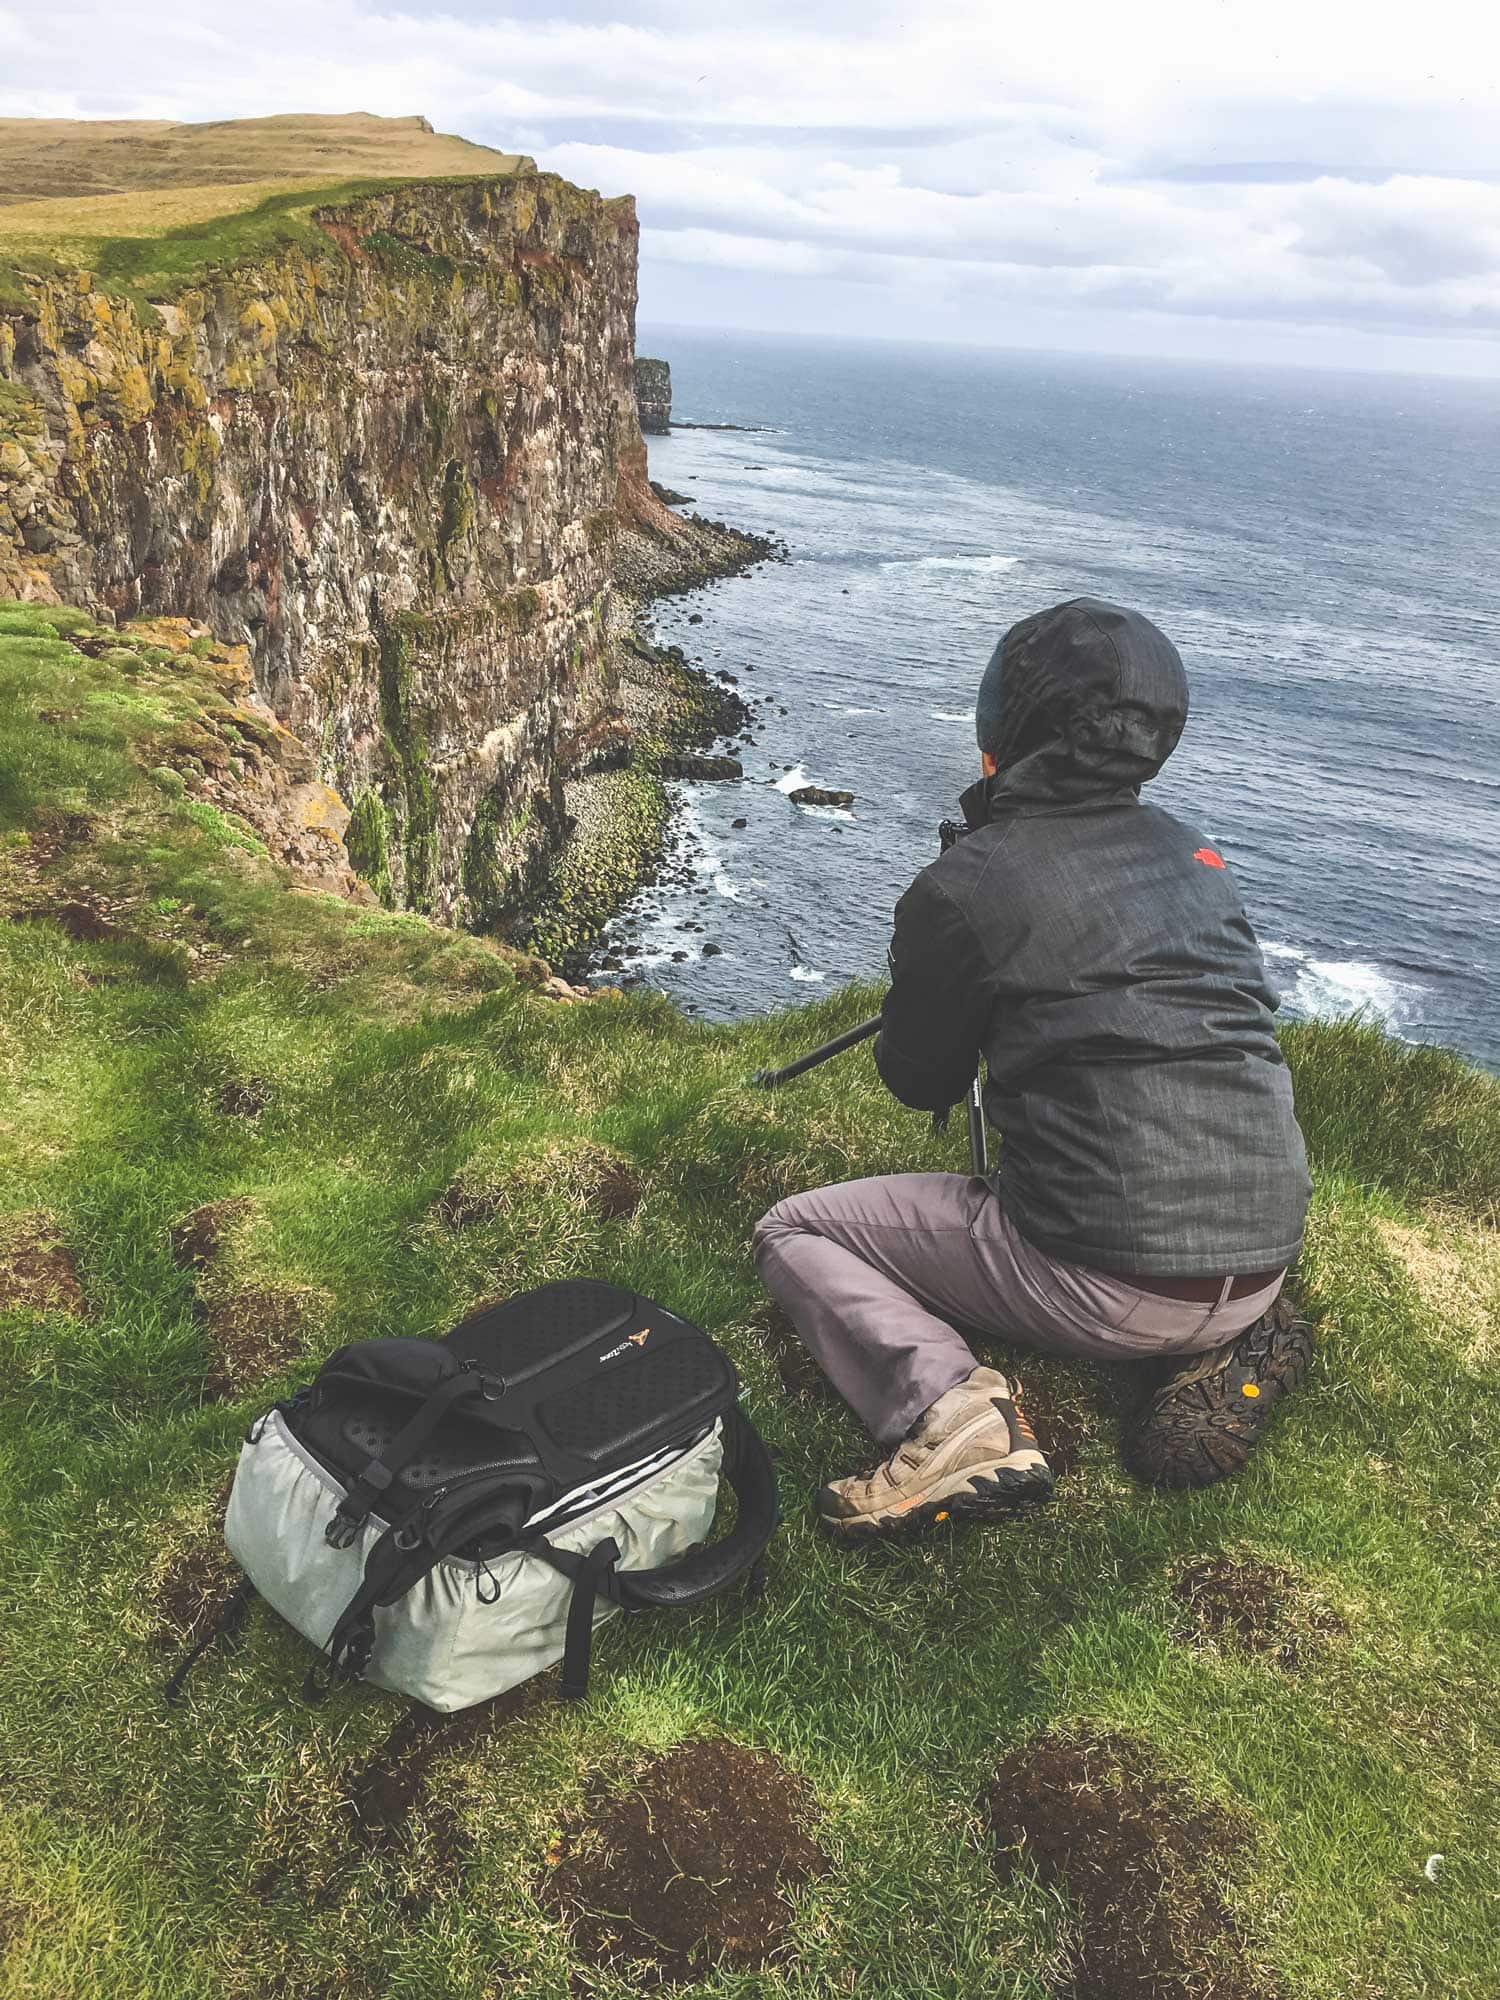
[(391, 448)]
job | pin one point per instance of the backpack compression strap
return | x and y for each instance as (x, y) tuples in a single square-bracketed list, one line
[(703, 1573), (595, 1573)]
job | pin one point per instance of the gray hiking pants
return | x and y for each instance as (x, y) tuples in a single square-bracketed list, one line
[(876, 1276)]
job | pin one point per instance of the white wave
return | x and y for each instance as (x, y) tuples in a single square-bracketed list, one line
[(974, 565), (707, 862), (953, 715), (1335, 986), (1330, 988), (836, 708), (806, 976), (793, 780)]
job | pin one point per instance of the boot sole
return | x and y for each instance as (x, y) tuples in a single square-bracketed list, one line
[(1009, 1489), (1205, 1430)]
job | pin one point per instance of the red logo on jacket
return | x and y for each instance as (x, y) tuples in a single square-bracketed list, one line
[(1209, 859)]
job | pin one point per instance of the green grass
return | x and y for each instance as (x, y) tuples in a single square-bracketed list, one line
[(147, 268), (139, 1847)]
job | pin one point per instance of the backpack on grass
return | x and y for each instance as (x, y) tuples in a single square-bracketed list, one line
[(446, 1518)]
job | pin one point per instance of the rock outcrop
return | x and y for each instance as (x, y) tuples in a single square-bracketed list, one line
[(653, 394), (392, 454)]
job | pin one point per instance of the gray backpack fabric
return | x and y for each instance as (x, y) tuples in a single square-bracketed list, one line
[(448, 1518)]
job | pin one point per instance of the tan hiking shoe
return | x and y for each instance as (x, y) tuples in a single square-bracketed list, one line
[(972, 1456)]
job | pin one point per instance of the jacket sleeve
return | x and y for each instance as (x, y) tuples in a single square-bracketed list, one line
[(934, 1017)]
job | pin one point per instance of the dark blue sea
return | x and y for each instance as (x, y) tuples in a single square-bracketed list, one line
[(1324, 549)]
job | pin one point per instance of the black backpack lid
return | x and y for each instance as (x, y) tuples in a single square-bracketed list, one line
[(564, 1384)]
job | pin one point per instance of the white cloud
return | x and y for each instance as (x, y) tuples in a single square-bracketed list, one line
[(1279, 163)]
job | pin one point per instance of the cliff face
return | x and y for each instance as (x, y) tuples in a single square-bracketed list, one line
[(393, 460)]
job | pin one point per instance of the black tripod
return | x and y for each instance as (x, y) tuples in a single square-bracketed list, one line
[(770, 1079), (949, 831)]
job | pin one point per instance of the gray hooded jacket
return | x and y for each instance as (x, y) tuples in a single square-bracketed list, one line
[(1095, 952)]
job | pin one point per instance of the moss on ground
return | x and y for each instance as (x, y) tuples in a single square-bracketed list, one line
[(205, 1853)]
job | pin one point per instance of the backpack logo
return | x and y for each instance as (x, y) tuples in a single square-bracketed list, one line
[(1209, 859), (630, 1340)]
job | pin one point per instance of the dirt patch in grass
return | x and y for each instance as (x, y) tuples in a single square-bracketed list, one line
[(1063, 1425), (198, 1238), (616, 1194), (392, 1783), (1136, 1856), (394, 1810), (85, 919), (244, 1097), (800, 1376), (193, 1591), (36, 1270), (1238, 1605), (690, 1868), (80, 911), (54, 831), (250, 1334), (464, 1202)]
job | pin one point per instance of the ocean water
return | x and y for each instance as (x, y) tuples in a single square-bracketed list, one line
[(1324, 549)]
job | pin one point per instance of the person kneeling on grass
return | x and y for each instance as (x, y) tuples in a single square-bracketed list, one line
[(1152, 1184)]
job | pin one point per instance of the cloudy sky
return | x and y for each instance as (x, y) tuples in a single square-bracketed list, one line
[(1293, 180)]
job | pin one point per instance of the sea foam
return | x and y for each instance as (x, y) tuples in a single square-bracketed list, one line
[(974, 565), (1332, 988)]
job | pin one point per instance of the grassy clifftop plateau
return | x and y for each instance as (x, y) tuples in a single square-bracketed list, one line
[(241, 1122), (50, 158), (94, 194)]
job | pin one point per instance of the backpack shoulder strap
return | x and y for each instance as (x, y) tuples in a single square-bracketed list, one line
[(704, 1572)]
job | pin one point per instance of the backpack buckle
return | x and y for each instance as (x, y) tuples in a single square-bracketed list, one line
[(343, 1528)]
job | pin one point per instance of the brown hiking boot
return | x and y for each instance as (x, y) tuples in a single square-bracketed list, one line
[(972, 1456), (1202, 1420)]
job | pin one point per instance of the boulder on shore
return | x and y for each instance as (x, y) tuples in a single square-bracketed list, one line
[(688, 764)]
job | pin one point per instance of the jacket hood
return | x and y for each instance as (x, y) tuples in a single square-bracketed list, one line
[(1080, 702)]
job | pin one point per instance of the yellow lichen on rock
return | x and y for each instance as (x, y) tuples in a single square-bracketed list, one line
[(319, 809), (258, 324), (133, 398)]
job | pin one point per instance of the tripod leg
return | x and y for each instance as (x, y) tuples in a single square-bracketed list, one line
[(979, 1150)]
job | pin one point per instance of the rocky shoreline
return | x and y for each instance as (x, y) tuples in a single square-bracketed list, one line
[(621, 800)]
